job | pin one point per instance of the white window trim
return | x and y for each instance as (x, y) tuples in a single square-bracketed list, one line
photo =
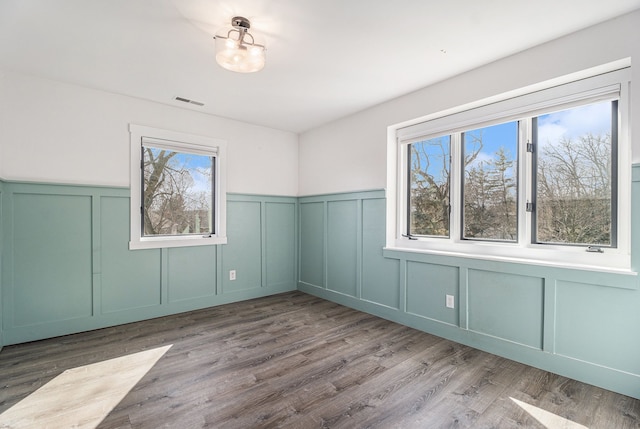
[(562, 92), (188, 143)]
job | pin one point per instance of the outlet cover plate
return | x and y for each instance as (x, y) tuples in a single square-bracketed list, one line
[(450, 301)]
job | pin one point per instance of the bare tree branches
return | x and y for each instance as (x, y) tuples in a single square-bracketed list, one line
[(171, 204), (573, 183), (430, 187), (574, 191)]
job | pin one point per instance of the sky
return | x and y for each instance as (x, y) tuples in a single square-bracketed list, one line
[(493, 137), (199, 167), (592, 118), (570, 123)]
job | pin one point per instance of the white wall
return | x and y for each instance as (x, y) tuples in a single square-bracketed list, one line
[(55, 132), (350, 154), (3, 118), (59, 133)]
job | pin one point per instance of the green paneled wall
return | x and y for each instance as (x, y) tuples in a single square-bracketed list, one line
[(191, 275), (578, 323), (312, 253), (280, 245), (342, 218), (380, 275), (128, 280), (597, 324), (507, 306), (427, 288), (66, 265), (51, 265), (243, 255)]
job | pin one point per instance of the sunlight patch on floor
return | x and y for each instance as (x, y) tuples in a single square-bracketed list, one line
[(82, 397), (548, 419)]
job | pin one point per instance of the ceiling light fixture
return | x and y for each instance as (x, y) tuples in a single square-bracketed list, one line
[(237, 50)]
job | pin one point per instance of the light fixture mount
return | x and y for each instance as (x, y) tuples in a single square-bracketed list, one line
[(240, 23), (237, 50)]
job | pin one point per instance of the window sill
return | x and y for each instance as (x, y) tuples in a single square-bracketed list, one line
[(395, 252), (166, 242)]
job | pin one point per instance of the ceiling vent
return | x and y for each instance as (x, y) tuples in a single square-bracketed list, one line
[(186, 100)]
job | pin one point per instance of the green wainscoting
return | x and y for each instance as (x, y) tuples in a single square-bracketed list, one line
[(51, 260), (65, 267), (596, 324), (312, 238), (427, 282), (190, 273), (380, 275), (342, 231), (66, 264), (494, 297), (243, 255), (578, 323), (128, 280), (279, 243)]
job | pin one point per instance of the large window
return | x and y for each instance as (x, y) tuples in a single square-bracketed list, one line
[(177, 192), (540, 176)]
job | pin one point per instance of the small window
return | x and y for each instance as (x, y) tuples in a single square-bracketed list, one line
[(575, 175), (177, 192)]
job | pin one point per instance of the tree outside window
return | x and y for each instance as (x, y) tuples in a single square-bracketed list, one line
[(429, 187), (490, 182), (571, 180), (177, 192), (574, 175)]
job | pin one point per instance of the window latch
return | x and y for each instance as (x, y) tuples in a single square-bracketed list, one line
[(530, 147), (409, 236), (528, 207), (595, 249)]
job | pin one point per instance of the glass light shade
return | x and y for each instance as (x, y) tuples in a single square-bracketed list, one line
[(238, 56)]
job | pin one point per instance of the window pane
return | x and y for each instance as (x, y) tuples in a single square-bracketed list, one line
[(177, 192), (490, 182), (429, 187), (574, 175)]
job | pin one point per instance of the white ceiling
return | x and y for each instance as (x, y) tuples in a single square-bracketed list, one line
[(325, 58)]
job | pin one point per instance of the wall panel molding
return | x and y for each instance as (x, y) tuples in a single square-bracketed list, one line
[(66, 265), (568, 321), (572, 322)]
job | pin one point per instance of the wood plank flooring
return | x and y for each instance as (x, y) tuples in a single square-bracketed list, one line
[(296, 361)]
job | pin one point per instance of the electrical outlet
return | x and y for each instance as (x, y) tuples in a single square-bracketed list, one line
[(232, 274), (450, 301)]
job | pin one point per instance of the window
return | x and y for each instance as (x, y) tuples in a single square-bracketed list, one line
[(542, 176), (489, 183), (429, 190), (177, 191), (574, 175)]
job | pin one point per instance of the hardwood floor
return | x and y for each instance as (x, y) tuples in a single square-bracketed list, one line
[(296, 361)]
